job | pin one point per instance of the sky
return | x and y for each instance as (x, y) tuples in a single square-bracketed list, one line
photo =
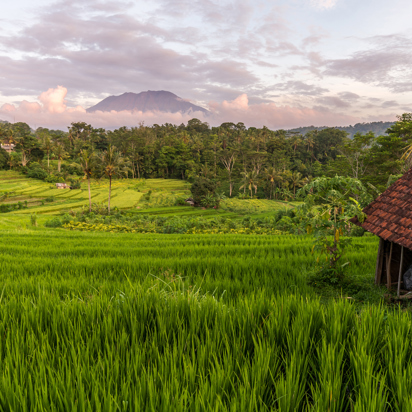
[(278, 63)]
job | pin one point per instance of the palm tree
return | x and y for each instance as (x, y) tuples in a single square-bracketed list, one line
[(273, 176), (249, 181), (112, 164), (296, 180), (47, 147), (88, 164), (60, 153), (205, 170), (296, 141)]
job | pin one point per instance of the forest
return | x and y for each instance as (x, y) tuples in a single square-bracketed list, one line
[(248, 162)]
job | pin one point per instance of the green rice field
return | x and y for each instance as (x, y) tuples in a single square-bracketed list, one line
[(127, 194), (96, 321)]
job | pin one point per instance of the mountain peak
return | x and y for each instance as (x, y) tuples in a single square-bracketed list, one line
[(151, 100)]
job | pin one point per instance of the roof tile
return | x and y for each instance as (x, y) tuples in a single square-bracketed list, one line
[(390, 215)]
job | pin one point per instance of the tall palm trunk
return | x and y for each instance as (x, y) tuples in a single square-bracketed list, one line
[(110, 193)]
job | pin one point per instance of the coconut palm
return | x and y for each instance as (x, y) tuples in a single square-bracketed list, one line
[(296, 180), (250, 181), (112, 164), (273, 176), (88, 163), (296, 140), (60, 153), (47, 147)]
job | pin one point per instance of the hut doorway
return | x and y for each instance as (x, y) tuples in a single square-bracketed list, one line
[(392, 262)]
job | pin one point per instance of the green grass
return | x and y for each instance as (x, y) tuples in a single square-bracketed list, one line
[(130, 322), (128, 194), (98, 321)]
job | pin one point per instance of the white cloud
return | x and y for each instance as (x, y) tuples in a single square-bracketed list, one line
[(52, 112), (324, 4)]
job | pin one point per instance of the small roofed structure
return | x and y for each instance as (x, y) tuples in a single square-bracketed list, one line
[(390, 217), (62, 186), (8, 147)]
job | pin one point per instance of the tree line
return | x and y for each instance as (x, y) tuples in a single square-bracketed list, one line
[(244, 162)]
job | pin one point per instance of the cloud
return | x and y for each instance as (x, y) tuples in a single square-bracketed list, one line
[(53, 100), (103, 48), (332, 101), (324, 4), (387, 63), (52, 112), (298, 87)]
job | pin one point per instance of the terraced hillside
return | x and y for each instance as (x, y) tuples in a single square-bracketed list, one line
[(143, 196)]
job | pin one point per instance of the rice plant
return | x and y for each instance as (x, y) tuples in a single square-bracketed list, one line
[(108, 321)]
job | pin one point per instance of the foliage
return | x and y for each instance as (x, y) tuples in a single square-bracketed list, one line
[(75, 184), (33, 219), (228, 317), (4, 159), (54, 222), (203, 190), (35, 171), (327, 209)]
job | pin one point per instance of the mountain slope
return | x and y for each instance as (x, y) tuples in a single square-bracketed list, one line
[(161, 101)]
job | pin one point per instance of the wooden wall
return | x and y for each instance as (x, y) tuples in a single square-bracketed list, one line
[(382, 276)]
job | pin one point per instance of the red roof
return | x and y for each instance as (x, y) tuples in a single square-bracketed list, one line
[(390, 215)]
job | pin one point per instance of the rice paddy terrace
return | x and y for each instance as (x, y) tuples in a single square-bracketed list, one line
[(151, 196), (131, 322)]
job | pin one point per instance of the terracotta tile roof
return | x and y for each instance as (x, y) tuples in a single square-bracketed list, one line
[(390, 215)]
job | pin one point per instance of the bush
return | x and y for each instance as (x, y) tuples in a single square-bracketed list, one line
[(75, 183), (4, 159), (36, 172), (55, 222), (357, 231), (202, 188), (54, 179), (181, 201)]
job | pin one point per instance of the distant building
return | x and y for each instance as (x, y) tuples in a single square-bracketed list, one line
[(62, 186), (8, 147)]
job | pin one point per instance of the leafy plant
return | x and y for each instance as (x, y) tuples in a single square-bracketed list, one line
[(327, 211)]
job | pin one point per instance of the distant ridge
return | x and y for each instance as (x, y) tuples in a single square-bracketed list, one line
[(379, 128), (161, 101)]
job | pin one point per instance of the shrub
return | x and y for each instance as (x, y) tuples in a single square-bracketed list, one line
[(36, 172), (181, 201), (33, 219), (201, 188), (54, 179), (75, 183), (55, 222)]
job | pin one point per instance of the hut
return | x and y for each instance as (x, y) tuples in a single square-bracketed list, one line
[(8, 147), (390, 217), (62, 186)]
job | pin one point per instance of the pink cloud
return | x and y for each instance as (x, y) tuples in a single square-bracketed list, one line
[(51, 111), (53, 100)]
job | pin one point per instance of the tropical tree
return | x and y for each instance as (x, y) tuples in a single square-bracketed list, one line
[(296, 180), (273, 176), (88, 163), (60, 153), (112, 164), (47, 146), (296, 140), (250, 181), (228, 159), (326, 213)]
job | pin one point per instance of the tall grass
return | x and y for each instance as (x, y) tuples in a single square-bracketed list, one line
[(97, 321)]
